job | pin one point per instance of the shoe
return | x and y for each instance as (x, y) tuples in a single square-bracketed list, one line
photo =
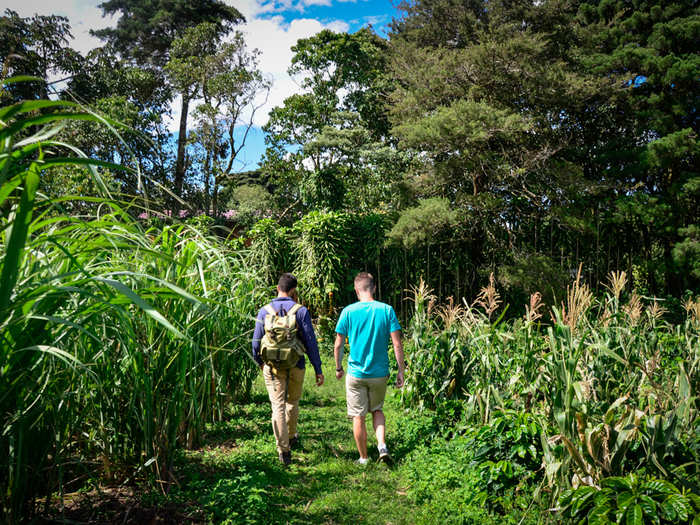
[(384, 455), (286, 458), (294, 443), (362, 461)]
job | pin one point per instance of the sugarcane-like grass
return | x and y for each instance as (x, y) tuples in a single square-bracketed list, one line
[(117, 344)]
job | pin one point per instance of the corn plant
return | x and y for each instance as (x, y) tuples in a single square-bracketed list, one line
[(612, 394)]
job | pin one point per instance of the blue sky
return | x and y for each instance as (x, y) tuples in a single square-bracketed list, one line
[(356, 14), (282, 23), (272, 27)]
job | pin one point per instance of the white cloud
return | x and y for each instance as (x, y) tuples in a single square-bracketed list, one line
[(274, 37), (82, 14)]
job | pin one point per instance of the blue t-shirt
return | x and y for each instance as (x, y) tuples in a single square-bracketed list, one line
[(367, 325)]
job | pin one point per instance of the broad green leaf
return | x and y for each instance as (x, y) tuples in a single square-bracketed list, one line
[(680, 505), (624, 500), (634, 515)]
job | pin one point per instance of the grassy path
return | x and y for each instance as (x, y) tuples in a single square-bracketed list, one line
[(236, 476)]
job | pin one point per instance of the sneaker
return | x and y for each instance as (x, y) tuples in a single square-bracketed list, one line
[(362, 461), (294, 443), (384, 455), (286, 458)]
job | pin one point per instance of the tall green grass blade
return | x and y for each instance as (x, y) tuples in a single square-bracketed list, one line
[(17, 238)]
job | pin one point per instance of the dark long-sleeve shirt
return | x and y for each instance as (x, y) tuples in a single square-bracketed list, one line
[(282, 305)]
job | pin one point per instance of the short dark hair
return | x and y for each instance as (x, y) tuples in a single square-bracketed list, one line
[(287, 282), (364, 281)]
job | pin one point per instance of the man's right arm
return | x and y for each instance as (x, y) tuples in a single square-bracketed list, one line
[(338, 353), (341, 331), (398, 352), (258, 334)]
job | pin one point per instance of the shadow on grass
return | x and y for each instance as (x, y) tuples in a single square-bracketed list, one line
[(119, 505)]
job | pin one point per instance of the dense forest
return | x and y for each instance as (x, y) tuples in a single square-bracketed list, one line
[(521, 177)]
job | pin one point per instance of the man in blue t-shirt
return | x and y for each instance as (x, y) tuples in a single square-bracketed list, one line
[(368, 325)]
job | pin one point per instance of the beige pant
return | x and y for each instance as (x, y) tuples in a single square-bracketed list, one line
[(364, 395), (284, 388)]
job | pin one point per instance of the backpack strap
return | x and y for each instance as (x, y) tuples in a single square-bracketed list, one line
[(294, 309), (270, 310)]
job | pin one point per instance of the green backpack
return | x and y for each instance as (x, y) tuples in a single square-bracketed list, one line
[(281, 347)]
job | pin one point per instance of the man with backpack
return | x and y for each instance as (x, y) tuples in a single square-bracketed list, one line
[(283, 334), (368, 325)]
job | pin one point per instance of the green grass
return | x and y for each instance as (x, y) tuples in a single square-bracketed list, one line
[(236, 476), (323, 485)]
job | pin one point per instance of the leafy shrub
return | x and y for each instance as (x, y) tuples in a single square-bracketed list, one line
[(631, 499), (241, 498), (270, 248), (508, 450), (452, 487), (320, 250), (421, 224)]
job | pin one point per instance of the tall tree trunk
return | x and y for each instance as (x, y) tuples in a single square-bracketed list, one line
[(180, 161), (215, 197), (207, 182)]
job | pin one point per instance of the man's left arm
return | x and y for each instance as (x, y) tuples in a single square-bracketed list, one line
[(308, 338)]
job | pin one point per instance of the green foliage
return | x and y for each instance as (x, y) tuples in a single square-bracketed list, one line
[(483, 476), (36, 47), (145, 32), (597, 116), (250, 201), (328, 148), (325, 189), (352, 61), (530, 273), (321, 255), (243, 498), (630, 499), (424, 224), (270, 249)]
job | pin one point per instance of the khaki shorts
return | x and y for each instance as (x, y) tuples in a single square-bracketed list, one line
[(364, 395)]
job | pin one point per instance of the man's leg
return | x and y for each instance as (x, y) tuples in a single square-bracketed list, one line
[(276, 385), (294, 389), (357, 401), (377, 392), (359, 430), (379, 422)]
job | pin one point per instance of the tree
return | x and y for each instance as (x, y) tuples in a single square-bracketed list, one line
[(355, 63), (226, 76), (132, 96), (653, 50), (564, 132), (36, 46), (145, 33), (480, 101), (329, 146)]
